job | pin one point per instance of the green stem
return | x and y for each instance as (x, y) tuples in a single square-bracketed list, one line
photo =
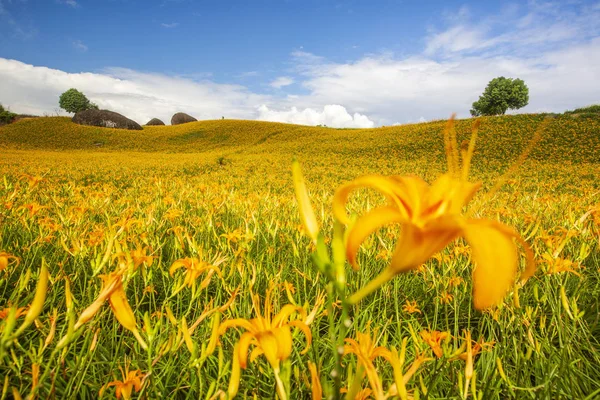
[(280, 386)]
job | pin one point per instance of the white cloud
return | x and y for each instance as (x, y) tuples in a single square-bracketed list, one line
[(72, 3), (543, 24), (405, 89), (248, 74), (140, 96), (281, 82), (457, 38), (171, 25), (555, 51), (79, 45), (333, 115)]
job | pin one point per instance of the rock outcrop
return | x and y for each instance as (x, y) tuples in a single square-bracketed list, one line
[(155, 121), (182, 118), (105, 119)]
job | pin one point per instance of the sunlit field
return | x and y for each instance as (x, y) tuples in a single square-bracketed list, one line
[(185, 262)]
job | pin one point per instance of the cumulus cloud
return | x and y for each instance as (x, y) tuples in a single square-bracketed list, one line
[(389, 89), (140, 96), (333, 115), (171, 25), (555, 50), (281, 82)]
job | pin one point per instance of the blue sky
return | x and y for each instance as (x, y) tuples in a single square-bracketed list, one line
[(349, 63)]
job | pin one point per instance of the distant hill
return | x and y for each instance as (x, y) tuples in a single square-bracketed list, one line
[(566, 139)]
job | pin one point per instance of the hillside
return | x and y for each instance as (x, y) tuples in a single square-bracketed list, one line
[(565, 139)]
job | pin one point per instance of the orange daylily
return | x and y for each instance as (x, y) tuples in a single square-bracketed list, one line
[(194, 268), (271, 336), (401, 377), (431, 218), (5, 259), (34, 208), (140, 257), (411, 307), (557, 265), (315, 382), (19, 312), (113, 290), (366, 351), (434, 340), (32, 180), (132, 380)]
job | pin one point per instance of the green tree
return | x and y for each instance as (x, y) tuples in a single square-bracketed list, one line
[(499, 95), (74, 101), (6, 116)]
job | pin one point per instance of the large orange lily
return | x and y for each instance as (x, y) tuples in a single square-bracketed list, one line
[(113, 291), (430, 216), (366, 351), (271, 336)]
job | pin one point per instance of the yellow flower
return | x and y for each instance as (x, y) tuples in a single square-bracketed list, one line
[(119, 304), (5, 259), (32, 180), (315, 382), (113, 290), (401, 378), (366, 351), (431, 218), (446, 298), (559, 264), (411, 307), (434, 340), (455, 281), (131, 380), (194, 268), (110, 283), (140, 257), (270, 335), (18, 313), (307, 214)]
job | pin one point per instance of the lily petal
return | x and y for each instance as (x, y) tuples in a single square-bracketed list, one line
[(366, 225), (270, 345), (416, 245), (284, 344), (307, 213), (384, 185), (306, 330), (242, 348), (495, 255)]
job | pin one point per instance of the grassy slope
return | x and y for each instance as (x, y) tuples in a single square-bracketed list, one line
[(134, 173), (565, 139)]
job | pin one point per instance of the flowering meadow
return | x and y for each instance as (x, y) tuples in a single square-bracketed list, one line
[(223, 259)]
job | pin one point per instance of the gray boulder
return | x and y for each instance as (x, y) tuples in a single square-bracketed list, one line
[(182, 118), (105, 119), (155, 121)]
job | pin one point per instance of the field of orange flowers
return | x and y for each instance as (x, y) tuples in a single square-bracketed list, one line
[(200, 261)]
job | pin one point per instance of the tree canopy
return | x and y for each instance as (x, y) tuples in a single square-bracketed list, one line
[(74, 101), (499, 95)]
